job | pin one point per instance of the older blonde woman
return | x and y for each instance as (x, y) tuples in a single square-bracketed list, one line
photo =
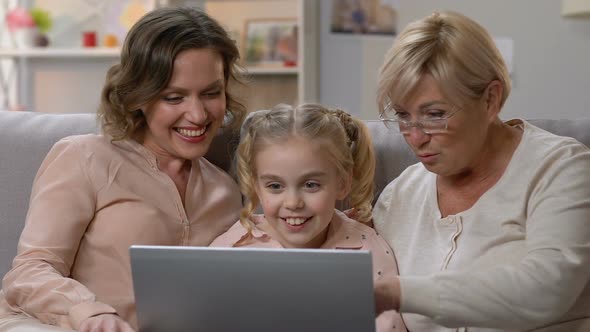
[(491, 229)]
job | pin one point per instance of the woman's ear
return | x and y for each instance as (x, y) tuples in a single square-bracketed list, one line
[(493, 98), (345, 186)]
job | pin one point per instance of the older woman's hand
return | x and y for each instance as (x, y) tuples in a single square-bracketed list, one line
[(105, 323), (387, 294)]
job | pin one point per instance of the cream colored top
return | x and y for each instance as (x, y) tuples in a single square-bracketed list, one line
[(91, 200), (517, 260)]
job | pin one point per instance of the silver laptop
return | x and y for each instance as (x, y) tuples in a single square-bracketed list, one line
[(245, 289)]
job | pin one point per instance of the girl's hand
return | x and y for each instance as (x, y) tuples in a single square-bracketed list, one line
[(105, 323), (387, 294)]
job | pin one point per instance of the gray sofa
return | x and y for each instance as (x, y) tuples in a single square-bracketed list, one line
[(25, 138)]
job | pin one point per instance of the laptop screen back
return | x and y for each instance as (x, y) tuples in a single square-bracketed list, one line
[(245, 289)]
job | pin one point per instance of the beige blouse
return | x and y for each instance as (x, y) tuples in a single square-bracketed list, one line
[(91, 200)]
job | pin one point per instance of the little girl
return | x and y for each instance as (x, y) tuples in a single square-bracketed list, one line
[(297, 163)]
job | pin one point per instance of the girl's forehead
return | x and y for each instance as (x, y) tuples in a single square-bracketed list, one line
[(282, 140), (316, 146)]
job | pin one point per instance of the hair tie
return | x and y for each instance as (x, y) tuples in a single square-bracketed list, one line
[(349, 125)]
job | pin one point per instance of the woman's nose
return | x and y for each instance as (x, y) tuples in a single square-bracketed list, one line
[(196, 111), (416, 137)]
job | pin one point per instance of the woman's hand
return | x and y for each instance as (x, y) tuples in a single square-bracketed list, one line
[(105, 323), (387, 294)]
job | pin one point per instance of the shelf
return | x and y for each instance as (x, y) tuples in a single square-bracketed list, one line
[(66, 79), (272, 70), (575, 8), (49, 52), (114, 52)]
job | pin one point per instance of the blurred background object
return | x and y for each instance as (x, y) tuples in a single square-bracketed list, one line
[(21, 26)]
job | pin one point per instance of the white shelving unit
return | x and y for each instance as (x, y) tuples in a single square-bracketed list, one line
[(70, 79), (46, 78), (270, 86)]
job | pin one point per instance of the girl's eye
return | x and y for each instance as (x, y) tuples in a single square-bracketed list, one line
[(311, 185), (274, 186)]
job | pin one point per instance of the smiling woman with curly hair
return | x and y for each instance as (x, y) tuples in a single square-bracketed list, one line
[(143, 181)]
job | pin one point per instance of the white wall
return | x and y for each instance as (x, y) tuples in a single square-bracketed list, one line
[(551, 76)]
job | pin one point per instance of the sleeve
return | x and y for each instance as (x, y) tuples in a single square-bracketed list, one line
[(388, 321), (384, 261), (230, 237), (61, 207), (385, 264), (381, 208), (540, 288)]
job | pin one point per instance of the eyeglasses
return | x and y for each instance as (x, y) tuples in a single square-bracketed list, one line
[(431, 121)]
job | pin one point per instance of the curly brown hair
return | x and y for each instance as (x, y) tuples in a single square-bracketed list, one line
[(146, 66)]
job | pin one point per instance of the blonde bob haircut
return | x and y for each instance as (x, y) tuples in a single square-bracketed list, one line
[(146, 66), (455, 50), (345, 140)]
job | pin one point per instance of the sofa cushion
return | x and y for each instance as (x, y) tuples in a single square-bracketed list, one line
[(576, 128), (392, 154), (25, 139)]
